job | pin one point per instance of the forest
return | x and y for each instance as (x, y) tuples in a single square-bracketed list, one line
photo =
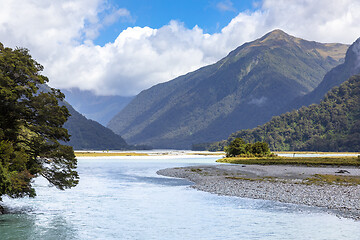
[(332, 125)]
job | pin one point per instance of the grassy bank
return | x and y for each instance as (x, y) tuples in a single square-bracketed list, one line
[(108, 154), (308, 161)]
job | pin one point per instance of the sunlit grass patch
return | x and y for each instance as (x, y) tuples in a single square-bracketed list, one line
[(307, 161), (332, 179), (108, 154)]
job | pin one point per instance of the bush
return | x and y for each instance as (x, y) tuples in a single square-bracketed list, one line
[(238, 147)]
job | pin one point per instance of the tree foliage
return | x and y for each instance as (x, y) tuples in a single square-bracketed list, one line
[(238, 147), (332, 125), (31, 128)]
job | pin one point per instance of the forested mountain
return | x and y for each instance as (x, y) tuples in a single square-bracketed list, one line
[(98, 108), (246, 88), (89, 134), (332, 125), (333, 78)]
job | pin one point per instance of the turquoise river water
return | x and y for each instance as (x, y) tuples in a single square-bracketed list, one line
[(124, 198)]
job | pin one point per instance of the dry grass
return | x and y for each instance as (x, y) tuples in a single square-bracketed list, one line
[(308, 161), (332, 179), (108, 154), (207, 153), (304, 152)]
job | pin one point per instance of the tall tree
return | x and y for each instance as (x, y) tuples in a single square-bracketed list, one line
[(31, 128)]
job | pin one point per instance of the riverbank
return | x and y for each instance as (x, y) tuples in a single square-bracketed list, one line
[(284, 183)]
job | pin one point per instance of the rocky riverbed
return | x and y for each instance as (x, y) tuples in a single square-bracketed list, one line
[(287, 184)]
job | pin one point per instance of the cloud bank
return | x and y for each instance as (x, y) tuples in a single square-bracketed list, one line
[(60, 36)]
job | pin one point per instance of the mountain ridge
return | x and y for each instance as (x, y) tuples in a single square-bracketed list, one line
[(334, 77), (331, 125), (242, 90), (86, 134)]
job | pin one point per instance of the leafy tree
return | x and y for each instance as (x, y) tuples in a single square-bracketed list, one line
[(31, 128), (239, 147), (236, 147)]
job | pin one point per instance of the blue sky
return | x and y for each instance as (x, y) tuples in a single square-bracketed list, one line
[(121, 47), (211, 15)]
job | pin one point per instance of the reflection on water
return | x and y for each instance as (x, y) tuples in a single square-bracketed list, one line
[(123, 198)]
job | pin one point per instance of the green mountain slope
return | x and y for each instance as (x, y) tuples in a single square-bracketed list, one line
[(333, 78), (245, 89), (89, 134), (332, 125)]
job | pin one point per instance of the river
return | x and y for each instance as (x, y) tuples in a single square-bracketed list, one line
[(124, 198)]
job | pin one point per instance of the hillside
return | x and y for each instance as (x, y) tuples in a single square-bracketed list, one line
[(332, 125), (89, 134), (245, 89), (333, 78), (98, 108)]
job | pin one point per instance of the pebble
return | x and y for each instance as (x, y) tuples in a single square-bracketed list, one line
[(345, 200)]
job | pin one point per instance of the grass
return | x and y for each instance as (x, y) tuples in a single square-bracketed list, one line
[(332, 179), (303, 152), (307, 161), (207, 153), (318, 179), (108, 154)]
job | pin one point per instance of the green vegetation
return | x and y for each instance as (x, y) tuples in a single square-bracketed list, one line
[(88, 134), (321, 179), (332, 125), (31, 128), (333, 78), (243, 90), (307, 161), (238, 147)]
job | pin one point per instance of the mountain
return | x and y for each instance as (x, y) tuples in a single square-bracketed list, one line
[(333, 78), (88, 134), (332, 125), (99, 108), (244, 89)]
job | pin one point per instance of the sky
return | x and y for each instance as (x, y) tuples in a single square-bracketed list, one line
[(121, 47)]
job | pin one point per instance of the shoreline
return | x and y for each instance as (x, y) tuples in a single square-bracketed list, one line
[(281, 183)]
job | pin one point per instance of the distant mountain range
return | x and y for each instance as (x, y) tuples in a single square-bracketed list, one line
[(99, 108), (254, 82)]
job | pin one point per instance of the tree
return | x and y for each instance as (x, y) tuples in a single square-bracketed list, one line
[(239, 147), (236, 147), (31, 126)]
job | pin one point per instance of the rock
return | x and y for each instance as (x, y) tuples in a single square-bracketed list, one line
[(2, 210)]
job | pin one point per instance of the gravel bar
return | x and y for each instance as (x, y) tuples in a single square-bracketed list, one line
[(277, 183)]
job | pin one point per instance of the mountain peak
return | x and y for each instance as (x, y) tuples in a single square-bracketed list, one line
[(276, 34)]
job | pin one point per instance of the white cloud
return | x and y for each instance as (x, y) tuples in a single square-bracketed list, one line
[(59, 35), (226, 6)]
